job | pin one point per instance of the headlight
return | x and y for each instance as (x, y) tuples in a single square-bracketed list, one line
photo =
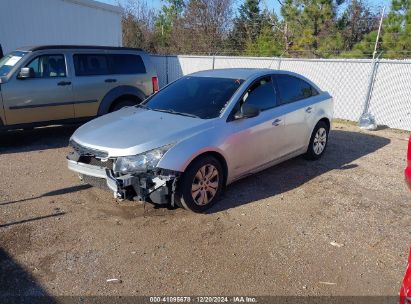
[(141, 162)]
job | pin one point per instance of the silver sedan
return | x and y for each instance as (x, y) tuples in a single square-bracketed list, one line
[(183, 145)]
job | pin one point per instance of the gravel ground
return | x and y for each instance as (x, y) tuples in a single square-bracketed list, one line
[(271, 233)]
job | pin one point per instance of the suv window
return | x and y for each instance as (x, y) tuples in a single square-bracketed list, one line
[(126, 64), (90, 64), (293, 89), (261, 94), (8, 62), (46, 66)]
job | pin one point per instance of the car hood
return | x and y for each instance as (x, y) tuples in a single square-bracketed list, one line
[(132, 130)]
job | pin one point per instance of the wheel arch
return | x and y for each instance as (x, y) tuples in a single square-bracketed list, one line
[(326, 121), (218, 156), (117, 94)]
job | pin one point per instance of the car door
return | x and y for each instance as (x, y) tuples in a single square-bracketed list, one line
[(45, 96), (91, 83), (255, 142), (296, 102)]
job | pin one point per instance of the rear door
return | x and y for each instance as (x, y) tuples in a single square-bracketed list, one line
[(91, 83), (48, 96), (296, 99)]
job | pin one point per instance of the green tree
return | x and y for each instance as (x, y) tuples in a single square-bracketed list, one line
[(397, 30), (247, 25), (167, 22), (269, 41), (362, 49), (309, 24), (356, 21)]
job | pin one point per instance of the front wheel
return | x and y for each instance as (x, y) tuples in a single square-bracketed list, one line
[(201, 184), (318, 141)]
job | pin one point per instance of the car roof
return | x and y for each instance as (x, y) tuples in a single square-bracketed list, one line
[(234, 73), (242, 73), (248, 73), (82, 47)]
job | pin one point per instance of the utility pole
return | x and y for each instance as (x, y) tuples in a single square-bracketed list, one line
[(378, 34), (367, 120)]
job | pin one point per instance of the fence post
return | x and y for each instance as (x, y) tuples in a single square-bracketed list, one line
[(279, 64), (367, 120), (166, 69), (213, 62)]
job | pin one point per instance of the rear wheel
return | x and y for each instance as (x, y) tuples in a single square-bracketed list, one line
[(122, 104), (201, 184), (318, 141)]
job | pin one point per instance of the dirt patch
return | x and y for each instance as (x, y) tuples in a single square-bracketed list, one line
[(271, 234)]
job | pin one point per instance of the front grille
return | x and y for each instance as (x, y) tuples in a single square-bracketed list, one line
[(91, 160), (85, 151)]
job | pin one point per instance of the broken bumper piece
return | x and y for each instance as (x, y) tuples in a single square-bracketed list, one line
[(156, 187)]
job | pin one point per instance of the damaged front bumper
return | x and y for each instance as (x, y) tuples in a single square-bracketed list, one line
[(157, 187)]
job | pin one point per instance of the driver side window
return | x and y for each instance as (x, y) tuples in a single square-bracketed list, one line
[(48, 66), (261, 94)]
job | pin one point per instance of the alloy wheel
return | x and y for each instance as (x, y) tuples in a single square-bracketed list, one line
[(205, 185), (320, 141)]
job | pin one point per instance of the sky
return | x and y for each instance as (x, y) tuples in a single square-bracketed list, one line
[(270, 4)]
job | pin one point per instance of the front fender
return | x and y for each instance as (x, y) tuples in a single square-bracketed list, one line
[(116, 93), (182, 154)]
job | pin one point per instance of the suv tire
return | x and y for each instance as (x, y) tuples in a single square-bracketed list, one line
[(122, 104)]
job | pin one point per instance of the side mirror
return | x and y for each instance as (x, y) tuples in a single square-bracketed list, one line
[(247, 111), (26, 73)]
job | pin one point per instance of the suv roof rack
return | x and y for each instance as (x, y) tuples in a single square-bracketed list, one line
[(94, 47)]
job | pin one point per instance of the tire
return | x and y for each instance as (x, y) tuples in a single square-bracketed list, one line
[(122, 104), (196, 176), (318, 141)]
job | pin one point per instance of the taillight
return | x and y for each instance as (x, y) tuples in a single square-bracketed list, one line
[(154, 80)]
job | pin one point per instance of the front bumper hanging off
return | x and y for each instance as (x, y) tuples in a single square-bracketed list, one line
[(156, 187)]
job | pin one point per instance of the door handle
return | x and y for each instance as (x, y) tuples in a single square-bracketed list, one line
[(308, 110), (276, 122), (64, 83), (110, 80)]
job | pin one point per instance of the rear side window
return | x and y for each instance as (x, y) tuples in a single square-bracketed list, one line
[(293, 89), (126, 64), (91, 64)]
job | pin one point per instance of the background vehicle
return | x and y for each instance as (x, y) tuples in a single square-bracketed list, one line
[(62, 84), (206, 130), (408, 169), (405, 290)]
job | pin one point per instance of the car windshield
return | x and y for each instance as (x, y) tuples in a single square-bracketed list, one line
[(9, 61), (203, 97)]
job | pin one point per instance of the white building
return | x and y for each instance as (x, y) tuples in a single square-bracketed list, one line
[(45, 22)]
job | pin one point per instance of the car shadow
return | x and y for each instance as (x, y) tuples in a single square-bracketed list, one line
[(16, 141), (17, 285), (49, 194), (343, 149)]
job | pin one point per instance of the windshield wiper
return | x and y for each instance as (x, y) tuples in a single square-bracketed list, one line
[(176, 112)]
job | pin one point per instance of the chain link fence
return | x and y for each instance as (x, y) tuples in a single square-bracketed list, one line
[(347, 80)]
